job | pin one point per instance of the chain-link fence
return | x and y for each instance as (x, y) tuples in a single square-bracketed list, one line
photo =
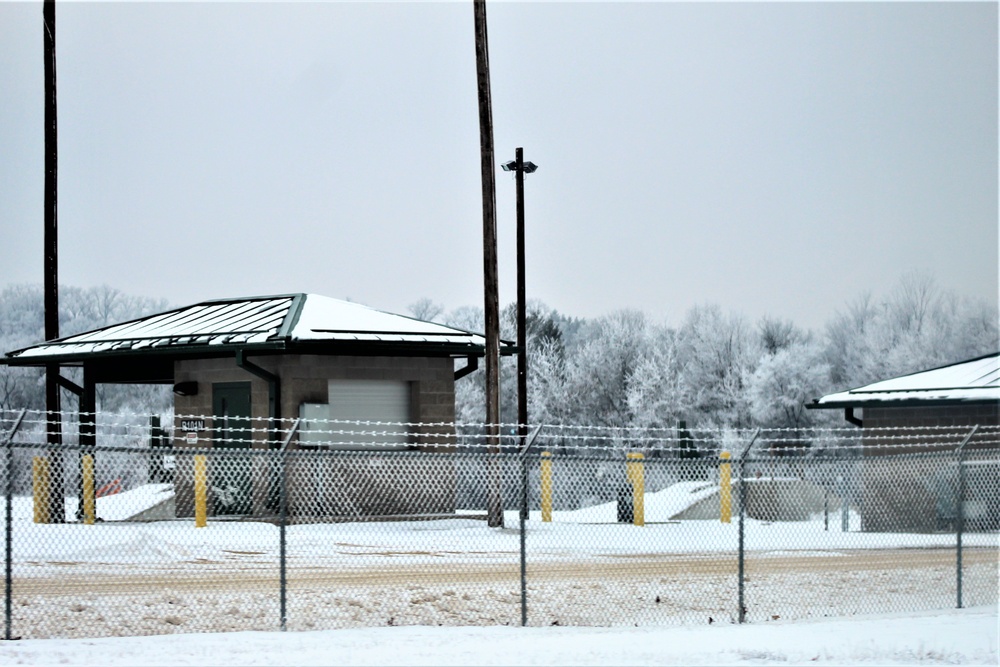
[(183, 525)]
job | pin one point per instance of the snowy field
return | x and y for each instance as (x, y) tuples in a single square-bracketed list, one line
[(120, 578), (966, 637)]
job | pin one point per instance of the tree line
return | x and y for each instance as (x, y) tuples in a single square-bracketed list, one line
[(717, 369), (712, 369)]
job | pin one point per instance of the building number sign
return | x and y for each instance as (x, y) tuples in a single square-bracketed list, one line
[(191, 428)]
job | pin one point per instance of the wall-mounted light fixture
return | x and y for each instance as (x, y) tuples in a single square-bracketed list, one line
[(186, 388)]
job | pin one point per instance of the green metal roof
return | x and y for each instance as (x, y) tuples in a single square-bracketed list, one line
[(302, 323)]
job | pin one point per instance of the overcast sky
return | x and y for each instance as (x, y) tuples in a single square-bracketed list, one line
[(772, 158)]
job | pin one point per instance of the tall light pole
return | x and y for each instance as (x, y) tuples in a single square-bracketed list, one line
[(520, 168)]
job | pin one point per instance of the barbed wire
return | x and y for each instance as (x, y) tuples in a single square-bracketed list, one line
[(40, 416), (374, 435)]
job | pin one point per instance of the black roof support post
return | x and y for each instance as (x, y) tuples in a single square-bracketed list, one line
[(87, 409), (472, 365)]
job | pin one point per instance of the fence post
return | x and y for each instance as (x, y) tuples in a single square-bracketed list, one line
[(545, 492), (636, 476), (960, 513), (282, 523), (200, 490), (826, 508), (9, 527), (89, 502), (725, 489), (156, 472), (845, 504), (524, 517), (741, 558), (40, 489), (283, 539)]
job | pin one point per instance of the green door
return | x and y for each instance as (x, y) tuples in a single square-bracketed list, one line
[(230, 478)]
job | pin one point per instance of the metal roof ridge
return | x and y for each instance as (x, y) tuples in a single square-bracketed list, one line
[(260, 297), (926, 370), (292, 316)]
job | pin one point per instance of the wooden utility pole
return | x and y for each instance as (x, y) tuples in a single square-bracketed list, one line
[(51, 268), (494, 502)]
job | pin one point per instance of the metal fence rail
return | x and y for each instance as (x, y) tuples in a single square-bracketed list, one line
[(259, 525)]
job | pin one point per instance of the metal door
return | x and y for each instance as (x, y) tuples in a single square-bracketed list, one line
[(230, 478)]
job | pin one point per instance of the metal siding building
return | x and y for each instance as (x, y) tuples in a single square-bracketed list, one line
[(930, 412)]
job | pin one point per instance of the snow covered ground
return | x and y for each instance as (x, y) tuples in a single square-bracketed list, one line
[(584, 569), (967, 637)]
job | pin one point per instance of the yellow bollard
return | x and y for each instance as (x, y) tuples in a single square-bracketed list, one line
[(40, 488), (89, 502), (634, 472), (200, 491), (546, 484), (725, 489)]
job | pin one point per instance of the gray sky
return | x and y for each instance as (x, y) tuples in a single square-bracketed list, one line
[(772, 158)]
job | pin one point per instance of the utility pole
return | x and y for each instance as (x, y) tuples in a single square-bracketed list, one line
[(52, 403), (494, 503)]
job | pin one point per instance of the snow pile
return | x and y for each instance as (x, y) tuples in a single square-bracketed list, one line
[(122, 506), (658, 506)]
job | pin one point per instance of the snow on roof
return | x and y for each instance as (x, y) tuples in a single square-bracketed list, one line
[(323, 318), (275, 320), (243, 321), (973, 380)]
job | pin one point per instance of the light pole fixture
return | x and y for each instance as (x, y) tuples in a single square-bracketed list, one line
[(520, 168), (526, 167)]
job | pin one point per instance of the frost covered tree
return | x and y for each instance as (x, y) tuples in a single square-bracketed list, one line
[(777, 334), (80, 309), (425, 309), (656, 392), (915, 327), (601, 367), (717, 354), (548, 392), (785, 382), (718, 370), (546, 371)]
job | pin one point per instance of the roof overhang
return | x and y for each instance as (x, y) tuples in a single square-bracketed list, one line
[(858, 402), (972, 382), (143, 350)]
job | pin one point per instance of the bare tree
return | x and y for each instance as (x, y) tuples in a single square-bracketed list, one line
[(425, 309)]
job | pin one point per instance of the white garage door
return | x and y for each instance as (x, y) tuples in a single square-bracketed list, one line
[(372, 401)]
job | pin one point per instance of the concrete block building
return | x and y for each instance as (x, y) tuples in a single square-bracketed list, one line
[(243, 370)]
